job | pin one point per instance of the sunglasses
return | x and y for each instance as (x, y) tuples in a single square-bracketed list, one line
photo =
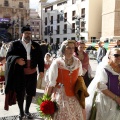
[(116, 55)]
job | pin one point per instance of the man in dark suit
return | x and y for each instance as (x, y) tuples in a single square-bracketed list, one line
[(21, 76)]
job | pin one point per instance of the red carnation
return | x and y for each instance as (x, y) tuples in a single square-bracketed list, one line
[(47, 107)]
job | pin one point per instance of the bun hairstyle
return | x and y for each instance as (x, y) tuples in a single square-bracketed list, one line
[(80, 42), (63, 46)]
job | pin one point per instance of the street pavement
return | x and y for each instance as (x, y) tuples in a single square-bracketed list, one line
[(13, 112)]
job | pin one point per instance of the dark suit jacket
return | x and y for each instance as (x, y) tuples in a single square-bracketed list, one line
[(17, 49), (14, 73)]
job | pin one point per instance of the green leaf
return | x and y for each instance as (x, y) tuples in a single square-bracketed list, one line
[(39, 100)]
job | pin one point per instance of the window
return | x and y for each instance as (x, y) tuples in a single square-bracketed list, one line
[(45, 31), (49, 8), (58, 29), (58, 18), (72, 38), (37, 23), (51, 40), (65, 29), (51, 19), (45, 40), (93, 39), (48, 29), (6, 3), (58, 40), (65, 17), (83, 12), (45, 20), (82, 26), (64, 39), (52, 29), (32, 23), (82, 38), (73, 15), (45, 9), (20, 4), (73, 1), (73, 27), (62, 3)]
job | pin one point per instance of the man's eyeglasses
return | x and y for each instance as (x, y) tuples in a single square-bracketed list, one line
[(116, 55)]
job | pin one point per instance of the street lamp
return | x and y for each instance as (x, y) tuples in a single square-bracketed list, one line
[(78, 26), (19, 21)]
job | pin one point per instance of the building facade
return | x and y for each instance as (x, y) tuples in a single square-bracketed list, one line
[(35, 23), (13, 15), (111, 20), (71, 19)]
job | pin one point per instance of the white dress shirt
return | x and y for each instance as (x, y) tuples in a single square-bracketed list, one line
[(28, 48)]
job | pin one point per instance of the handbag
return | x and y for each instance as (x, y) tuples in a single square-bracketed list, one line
[(93, 109)]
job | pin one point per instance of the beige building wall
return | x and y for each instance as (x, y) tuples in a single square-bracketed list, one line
[(111, 19), (17, 11), (35, 23), (94, 18)]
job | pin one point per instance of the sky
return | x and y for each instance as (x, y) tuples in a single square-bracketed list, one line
[(34, 3)]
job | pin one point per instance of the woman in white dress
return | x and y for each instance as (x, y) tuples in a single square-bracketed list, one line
[(63, 74), (107, 85)]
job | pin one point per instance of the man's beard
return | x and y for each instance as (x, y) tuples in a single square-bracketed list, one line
[(27, 39)]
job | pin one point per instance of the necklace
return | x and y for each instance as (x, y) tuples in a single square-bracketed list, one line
[(68, 62)]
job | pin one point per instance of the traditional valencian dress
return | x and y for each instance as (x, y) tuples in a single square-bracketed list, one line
[(106, 106), (63, 78)]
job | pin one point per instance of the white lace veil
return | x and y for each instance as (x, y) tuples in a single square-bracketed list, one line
[(93, 85), (63, 46)]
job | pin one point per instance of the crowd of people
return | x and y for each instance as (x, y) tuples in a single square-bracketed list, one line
[(29, 65)]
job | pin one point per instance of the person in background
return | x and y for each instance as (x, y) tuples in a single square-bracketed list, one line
[(101, 52), (84, 58), (22, 58), (117, 43), (44, 47), (41, 83), (107, 85), (63, 74)]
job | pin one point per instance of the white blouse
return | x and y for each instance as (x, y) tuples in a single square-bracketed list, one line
[(60, 63), (102, 77)]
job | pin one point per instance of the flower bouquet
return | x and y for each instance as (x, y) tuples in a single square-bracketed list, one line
[(46, 107)]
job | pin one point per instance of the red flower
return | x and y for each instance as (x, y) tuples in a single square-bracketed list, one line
[(47, 107)]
